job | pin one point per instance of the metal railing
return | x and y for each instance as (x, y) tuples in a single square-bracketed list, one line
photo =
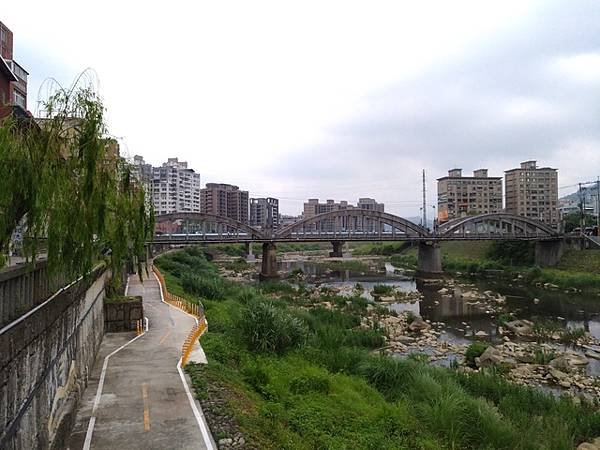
[(193, 309)]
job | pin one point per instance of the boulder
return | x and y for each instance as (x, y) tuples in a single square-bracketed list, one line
[(419, 325), (594, 445), (561, 363), (520, 327), (489, 357), (558, 375), (481, 333)]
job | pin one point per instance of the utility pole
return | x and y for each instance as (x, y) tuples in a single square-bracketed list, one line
[(598, 205), (582, 211), (424, 202)]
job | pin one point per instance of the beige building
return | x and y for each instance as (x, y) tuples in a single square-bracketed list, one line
[(225, 200), (370, 204), (533, 192), (459, 196)]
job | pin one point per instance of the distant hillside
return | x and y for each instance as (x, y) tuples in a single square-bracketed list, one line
[(574, 197)]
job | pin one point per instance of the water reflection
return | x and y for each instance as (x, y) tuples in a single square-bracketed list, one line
[(463, 318)]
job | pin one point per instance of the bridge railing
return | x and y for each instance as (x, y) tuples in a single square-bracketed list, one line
[(193, 309)]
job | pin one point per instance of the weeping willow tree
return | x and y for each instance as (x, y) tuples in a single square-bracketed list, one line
[(65, 177)]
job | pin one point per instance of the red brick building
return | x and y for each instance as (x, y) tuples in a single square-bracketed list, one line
[(13, 78)]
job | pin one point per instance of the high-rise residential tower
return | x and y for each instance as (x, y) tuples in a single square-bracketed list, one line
[(459, 195), (532, 192), (225, 200)]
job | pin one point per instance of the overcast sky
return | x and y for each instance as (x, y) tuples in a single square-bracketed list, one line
[(332, 99)]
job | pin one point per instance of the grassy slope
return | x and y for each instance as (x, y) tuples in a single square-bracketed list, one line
[(331, 393)]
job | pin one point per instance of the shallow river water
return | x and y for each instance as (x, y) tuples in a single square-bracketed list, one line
[(461, 318)]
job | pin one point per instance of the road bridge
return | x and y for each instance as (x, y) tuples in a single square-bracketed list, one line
[(361, 225)]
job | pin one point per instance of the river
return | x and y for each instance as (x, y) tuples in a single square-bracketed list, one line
[(460, 319)]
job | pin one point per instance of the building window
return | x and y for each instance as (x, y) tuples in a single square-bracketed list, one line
[(19, 99)]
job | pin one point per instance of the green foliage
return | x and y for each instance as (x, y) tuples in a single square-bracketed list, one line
[(404, 261), (331, 393), (351, 265), (543, 356), (382, 289), (310, 383), (571, 335), (512, 253), (276, 287), (288, 247), (475, 350), (204, 287), (66, 177), (239, 265), (380, 248), (573, 221), (544, 329), (267, 328)]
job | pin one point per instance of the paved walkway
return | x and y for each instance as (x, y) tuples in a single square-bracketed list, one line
[(144, 404)]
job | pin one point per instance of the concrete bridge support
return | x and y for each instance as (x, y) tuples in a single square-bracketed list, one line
[(248, 250), (429, 259), (337, 249), (269, 261), (548, 253)]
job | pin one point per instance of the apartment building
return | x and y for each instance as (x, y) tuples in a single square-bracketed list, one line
[(459, 195), (264, 212), (225, 200), (370, 204), (13, 77), (532, 192), (173, 186), (312, 207)]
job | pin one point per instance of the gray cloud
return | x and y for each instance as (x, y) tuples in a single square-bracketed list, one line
[(503, 102)]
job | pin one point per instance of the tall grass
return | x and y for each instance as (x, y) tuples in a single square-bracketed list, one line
[(306, 379)]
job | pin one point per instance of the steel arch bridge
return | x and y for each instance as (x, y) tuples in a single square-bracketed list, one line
[(348, 225), (341, 226), (496, 226)]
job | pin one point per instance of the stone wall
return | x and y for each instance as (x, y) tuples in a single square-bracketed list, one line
[(45, 359), (123, 316)]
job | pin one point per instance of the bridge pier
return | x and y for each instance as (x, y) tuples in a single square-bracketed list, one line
[(429, 259), (269, 262), (249, 254), (337, 249), (548, 253)]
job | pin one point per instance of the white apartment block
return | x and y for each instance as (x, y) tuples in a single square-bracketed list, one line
[(173, 186)]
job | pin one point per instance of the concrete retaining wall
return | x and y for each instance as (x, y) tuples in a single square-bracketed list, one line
[(45, 360), (123, 316)]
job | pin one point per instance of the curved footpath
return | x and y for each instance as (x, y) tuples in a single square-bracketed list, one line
[(143, 403)]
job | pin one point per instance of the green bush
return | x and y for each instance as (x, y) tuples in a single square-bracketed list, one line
[(512, 253), (210, 288), (382, 289), (475, 350), (310, 383), (256, 377), (543, 356), (267, 328)]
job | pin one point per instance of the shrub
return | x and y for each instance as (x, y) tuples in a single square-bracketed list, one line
[(388, 375), (512, 253), (543, 356), (571, 335), (310, 383), (210, 288), (475, 350), (255, 376), (382, 289), (266, 328)]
